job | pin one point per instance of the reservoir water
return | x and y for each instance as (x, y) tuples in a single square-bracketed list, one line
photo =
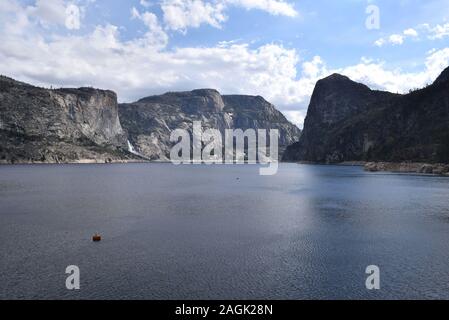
[(221, 232)]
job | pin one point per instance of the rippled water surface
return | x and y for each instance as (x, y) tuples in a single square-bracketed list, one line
[(221, 232)]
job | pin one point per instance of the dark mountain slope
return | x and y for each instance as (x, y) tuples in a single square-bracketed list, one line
[(347, 121)]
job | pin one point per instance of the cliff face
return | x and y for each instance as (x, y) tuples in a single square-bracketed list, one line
[(85, 124), (150, 120), (64, 125), (257, 113), (347, 121)]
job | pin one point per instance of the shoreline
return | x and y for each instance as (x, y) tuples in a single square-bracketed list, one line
[(439, 169), (423, 168), (436, 169), (81, 161)]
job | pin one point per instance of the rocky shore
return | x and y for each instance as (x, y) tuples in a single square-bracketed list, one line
[(78, 161), (409, 167)]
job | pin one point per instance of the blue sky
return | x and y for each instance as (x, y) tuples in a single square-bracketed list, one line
[(274, 48)]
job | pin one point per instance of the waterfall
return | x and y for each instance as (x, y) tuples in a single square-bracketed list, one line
[(131, 149)]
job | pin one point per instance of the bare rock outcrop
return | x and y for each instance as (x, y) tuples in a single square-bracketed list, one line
[(150, 120), (408, 167), (63, 125)]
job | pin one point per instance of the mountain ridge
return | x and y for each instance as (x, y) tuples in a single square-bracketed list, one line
[(351, 122), (40, 125), (150, 120)]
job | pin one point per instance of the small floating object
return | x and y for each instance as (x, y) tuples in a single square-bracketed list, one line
[(96, 238)]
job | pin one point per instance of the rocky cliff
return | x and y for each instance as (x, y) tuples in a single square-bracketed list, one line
[(64, 125), (150, 120), (40, 125), (346, 121)]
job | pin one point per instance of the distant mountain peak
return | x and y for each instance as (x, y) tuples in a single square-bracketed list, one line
[(336, 77), (339, 83), (205, 91)]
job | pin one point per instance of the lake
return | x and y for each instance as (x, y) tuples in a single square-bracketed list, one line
[(221, 232)]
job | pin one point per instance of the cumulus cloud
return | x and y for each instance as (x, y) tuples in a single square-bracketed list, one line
[(396, 39), (377, 75), (141, 67), (410, 32), (155, 35), (182, 14), (146, 65), (145, 3), (55, 12), (427, 31), (438, 31), (274, 7), (73, 17)]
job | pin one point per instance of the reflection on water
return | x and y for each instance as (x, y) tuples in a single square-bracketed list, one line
[(221, 232)]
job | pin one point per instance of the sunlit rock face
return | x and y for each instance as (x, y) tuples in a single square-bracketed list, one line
[(63, 125), (150, 120)]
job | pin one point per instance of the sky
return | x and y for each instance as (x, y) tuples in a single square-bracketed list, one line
[(274, 48)]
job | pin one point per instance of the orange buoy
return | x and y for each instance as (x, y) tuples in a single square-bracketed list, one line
[(96, 238)]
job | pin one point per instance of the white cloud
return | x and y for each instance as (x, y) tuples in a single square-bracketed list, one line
[(296, 116), (145, 65), (182, 14), (274, 7), (376, 75), (140, 67), (145, 3), (435, 63), (56, 12), (396, 39), (155, 35), (436, 32), (49, 11), (73, 17), (380, 42), (15, 18), (410, 32)]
